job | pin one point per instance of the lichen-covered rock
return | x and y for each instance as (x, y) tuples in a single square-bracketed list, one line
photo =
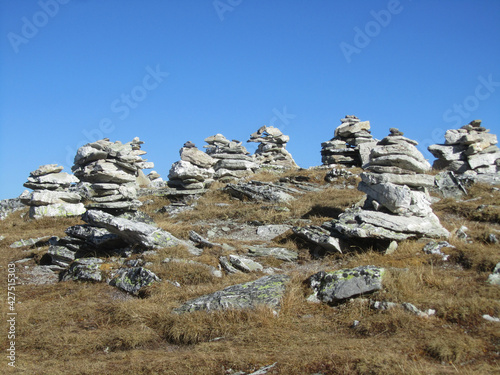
[(336, 286), (267, 291), (245, 264), (84, 269), (258, 191), (56, 210), (131, 280), (275, 252), (494, 278)]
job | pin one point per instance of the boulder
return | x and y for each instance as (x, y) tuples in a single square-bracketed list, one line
[(132, 280), (266, 291)]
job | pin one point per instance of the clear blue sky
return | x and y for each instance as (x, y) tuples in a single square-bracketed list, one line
[(170, 71)]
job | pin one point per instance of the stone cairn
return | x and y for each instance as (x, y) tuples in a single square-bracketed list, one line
[(397, 205), (194, 171), (111, 170), (470, 148), (351, 144), (51, 195), (272, 152), (233, 161)]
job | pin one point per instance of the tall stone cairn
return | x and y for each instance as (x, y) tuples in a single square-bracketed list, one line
[(51, 195), (233, 161), (272, 151), (194, 170), (470, 148), (397, 206), (351, 144), (112, 170)]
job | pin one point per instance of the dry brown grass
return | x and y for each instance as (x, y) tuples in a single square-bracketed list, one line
[(83, 328)]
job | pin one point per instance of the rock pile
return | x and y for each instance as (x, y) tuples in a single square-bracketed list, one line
[(194, 170), (397, 205), (271, 152), (50, 196), (233, 161), (470, 148), (350, 145), (111, 169)]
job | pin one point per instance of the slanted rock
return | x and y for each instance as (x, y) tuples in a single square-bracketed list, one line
[(266, 291), (259, 191), (51, 196), (85, 269), (272, 152), (350, 145), (337, 286), (245, 264), (472, 148)]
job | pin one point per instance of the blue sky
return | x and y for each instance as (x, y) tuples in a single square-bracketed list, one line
[(73, 71)]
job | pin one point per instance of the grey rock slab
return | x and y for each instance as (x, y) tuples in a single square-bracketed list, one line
[(411, 180), (275, 252), (56, 210), (319, 236), (40, 241), (184, 170), (46, 169), (483, 160), (63, 179), (227, 266), (337, 286), (135, 233), (245, 264), (448, 152), (267, 291), (132, 280), (269, 232), (46, 197), (396, 198), (87, 154), (401, 161), (258, 192), (60, 255), (197, 157), (84, 269)]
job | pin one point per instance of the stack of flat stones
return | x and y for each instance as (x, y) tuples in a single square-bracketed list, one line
[(233, 161), (470, 148), (351, 144), (194, 171), (272, 152), (112, 170), (397, 206), (51, 195)]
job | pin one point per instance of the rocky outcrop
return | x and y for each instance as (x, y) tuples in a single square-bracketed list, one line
[(397, 205), (194, 170), (51, 195), (337, 286), (8, 206), (260, 191), (272, 152), (233, 161), (266, 291), (350, 145), (470, 148), (112, 169)]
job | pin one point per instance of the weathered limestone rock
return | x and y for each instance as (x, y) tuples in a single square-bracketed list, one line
[(8, 206), (132, 280), (267, 291), (194, 171), (84, 269), (114, 171), (244, 264), (470, 148), (351, 144), (135, 233), (233, 161), (275, 252), (271, 152), (51, 195), (259, 191), (337, 286)]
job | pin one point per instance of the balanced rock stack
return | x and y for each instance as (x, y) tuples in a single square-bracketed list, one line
[(470, 148), (51, 196), (351, 144), (112, 170), (233, 161), (272, 151), (194, 170), (397, 205)]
